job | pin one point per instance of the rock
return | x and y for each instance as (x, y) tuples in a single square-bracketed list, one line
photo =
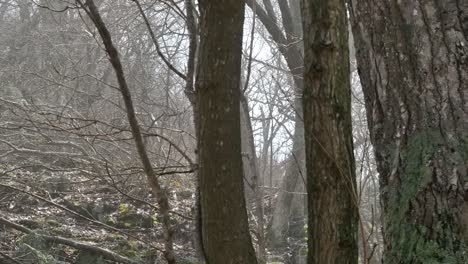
[(35, 241), (57, 185), (134, 220), (27, 254), (189, 260), (87, 258), (102, 210), (185, 195), (77, 207), (32, 224), (99, 210)]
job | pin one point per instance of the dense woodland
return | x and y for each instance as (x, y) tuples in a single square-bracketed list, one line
[(234, 131)]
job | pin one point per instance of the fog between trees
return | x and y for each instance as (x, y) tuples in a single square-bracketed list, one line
[(228, 131)]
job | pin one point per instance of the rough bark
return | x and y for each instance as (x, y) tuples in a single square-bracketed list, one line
[(413, 62), (331, 183), (225, 231)]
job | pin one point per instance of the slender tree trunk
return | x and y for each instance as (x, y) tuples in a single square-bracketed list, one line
[(291, 49), (225, 230), (192, 26), (279, 226), (252, 163), (331, 186), (153, 181), (413, 62)]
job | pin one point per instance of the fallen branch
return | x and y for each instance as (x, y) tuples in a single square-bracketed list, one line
[(5, 256), (159, 192), (106, 226), (71, 243)]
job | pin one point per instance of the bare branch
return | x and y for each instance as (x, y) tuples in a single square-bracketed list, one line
[(155, 42), (72, 243)]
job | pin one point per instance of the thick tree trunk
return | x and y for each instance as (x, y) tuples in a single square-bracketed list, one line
[(225, 230), (413, 62), (331, 183)]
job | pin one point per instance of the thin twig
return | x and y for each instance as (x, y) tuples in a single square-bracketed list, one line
[(155, 42), (80, 215), (75, 244), (249, 63), (9, 258)]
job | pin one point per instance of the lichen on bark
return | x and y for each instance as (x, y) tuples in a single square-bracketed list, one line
[(433, 240)]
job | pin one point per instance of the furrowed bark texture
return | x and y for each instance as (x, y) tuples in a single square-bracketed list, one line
[(413, 62), (225, 231), (332, 200)]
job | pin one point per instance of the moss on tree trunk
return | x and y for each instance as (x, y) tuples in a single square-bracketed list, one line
[(413, 64)]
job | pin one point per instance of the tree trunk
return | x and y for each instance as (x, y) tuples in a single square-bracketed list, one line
[(413, 62), (225, 230), (291, 49), (279, 227), (192, 26), (331, 183), (255, 180), (153, 181)]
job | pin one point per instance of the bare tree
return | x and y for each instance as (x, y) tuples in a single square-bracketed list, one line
[(153, 181), (287, 39)]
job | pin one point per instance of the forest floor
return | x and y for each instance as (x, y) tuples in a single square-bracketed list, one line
[(118, 217), (85, 211)]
